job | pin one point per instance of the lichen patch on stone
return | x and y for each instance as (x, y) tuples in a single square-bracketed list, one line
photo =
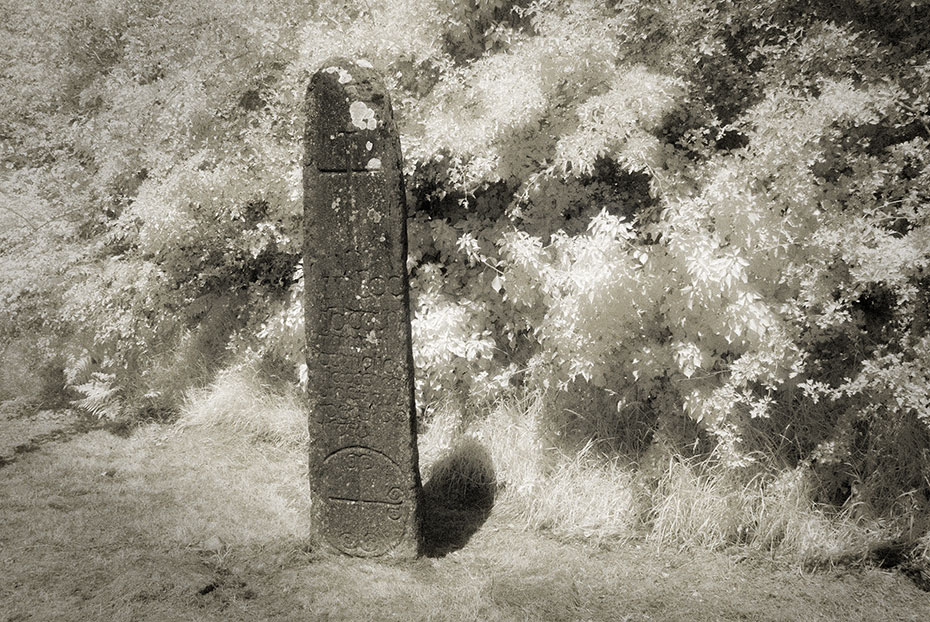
[(374, 164), (344, 76), (363, 116)]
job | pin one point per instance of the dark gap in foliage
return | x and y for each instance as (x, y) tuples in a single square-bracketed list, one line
[(477, 32), (881, 138), (727, 90), (251, 100), (219, 271), (577, 200), (271, 268), (921, 313), (254, 212), (720, 95), (872, 139), (627, 191), (834, 353), (433, 195), (901, 26), (721, 84), (123, 190), (687, 131), (432, 198), (731, 139), (856, 457), (874, 312), (831, 165), (413, 77)]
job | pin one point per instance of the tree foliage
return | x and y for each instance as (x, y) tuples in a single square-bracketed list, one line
[(712, 211)]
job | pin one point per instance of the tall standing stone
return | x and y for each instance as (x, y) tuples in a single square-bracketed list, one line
[(363, 454)]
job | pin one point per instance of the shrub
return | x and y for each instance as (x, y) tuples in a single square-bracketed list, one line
[(709, 218)]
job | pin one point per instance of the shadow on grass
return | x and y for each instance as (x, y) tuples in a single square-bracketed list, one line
[(457, 498)]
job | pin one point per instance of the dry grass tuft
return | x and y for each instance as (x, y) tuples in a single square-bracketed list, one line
[(702, 504), (585, 495), (239, 402), (511, 432), (922, 550), (692, 508), (581, 495)]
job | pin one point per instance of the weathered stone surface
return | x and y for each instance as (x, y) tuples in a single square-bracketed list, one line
[(363, 455)]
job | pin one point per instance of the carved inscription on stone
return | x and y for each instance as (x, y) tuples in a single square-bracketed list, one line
[(363, 489), (363, 456)]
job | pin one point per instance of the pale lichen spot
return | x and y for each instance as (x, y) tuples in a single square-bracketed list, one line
[(374, 164), (374, 216), (364, 63), (368, 146), (363, 116), (344, 76)]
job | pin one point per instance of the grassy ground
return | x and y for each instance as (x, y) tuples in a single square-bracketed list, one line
[(195, 523)]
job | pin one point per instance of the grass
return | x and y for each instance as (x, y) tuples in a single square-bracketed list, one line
[(239, 402), (579, 495), (97, 527), (689, 504), (206, 519), (195, 523), (700, 504)]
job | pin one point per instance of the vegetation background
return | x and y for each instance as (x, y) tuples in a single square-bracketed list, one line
[(670, 260)]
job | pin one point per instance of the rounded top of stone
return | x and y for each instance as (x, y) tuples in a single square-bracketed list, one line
[(347, 71)]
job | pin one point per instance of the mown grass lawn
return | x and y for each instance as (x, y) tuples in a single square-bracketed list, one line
[(197, 524)]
